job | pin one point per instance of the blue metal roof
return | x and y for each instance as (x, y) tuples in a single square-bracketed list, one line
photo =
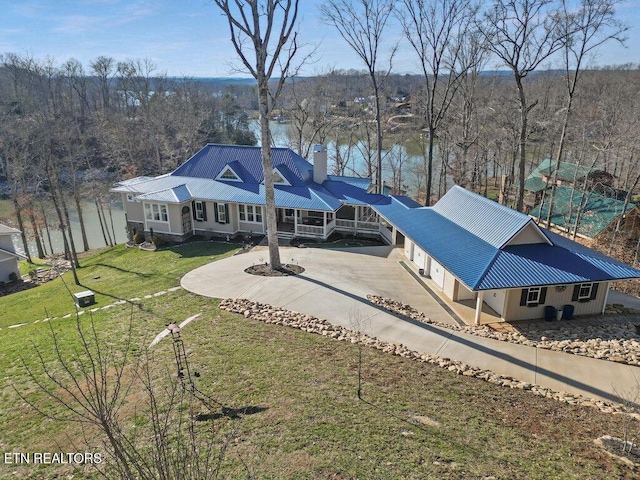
[(199, 173), (470, 255), (177, 194), (472, 212), (246, 161)]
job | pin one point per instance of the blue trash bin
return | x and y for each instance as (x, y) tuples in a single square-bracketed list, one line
[(567, 312), (549, 313)]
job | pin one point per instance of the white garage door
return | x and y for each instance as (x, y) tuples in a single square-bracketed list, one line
[(436, 272), (419, 257)]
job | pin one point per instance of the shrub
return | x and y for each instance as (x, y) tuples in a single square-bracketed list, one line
[(158, 240), (13, 276), (33, 273), (138, 238)]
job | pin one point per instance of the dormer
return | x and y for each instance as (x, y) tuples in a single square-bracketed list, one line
[(279, 179), (229, 175)]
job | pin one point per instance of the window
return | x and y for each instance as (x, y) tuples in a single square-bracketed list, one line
[(199, 211), (228, 174), (584, 292), (155, 212), (250, 213), (221, 212), (278, 179), (533, 296)]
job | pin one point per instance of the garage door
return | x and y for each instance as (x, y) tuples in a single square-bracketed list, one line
[(436, 272), (419, 257)]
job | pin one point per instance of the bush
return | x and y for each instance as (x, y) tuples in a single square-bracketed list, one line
[(13, 276), (33, 273), (138, 238), (158, 240)]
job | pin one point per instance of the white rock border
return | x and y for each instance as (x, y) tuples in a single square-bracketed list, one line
[(614, 342), (279, 316)]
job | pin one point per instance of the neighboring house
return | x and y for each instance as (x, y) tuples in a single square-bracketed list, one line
[(569, 175), (591, 212), (8, 255), (219, 191), (475, 249)]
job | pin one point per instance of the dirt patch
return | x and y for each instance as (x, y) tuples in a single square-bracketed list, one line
[(265, 270)]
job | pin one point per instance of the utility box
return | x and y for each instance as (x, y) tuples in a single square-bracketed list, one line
[(84, 299)]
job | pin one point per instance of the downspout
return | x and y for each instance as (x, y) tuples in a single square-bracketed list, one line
[(606, 297)]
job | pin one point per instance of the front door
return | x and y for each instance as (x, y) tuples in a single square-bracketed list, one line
[(186, 221)]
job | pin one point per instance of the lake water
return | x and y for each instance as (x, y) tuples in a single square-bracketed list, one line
[(92, 228)]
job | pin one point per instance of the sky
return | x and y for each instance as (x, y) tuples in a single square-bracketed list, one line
[(191, 38)]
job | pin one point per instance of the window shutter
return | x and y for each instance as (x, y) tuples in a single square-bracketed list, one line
[(204, 211), (594, 291), (523, 297), (226, 213), (215, 212), (543, 296), (576, 292), (193, 209)]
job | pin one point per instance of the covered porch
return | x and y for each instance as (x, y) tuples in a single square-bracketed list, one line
[(295, 222)]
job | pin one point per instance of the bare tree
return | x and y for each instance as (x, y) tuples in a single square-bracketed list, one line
[(265, 29), (522, 34), (361, 23), (89, 386), (591, 26), (438, 31)]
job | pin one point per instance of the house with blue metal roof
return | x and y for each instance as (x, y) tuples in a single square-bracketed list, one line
[(476, 250), (219, 191)]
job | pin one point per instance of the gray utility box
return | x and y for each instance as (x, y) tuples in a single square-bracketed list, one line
[(84, 299)]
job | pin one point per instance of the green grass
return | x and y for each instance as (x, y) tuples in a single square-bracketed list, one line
[(309, 422), (113, 274)]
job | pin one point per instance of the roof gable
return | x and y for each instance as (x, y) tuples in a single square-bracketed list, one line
[(7, 230), (482, 217)]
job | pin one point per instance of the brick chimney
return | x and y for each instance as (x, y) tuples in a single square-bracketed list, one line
[(319, 164)]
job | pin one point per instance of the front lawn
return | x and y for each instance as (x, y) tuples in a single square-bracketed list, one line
[(113, 274)]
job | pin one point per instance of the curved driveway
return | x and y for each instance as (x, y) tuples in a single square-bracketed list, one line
[(335, 284)]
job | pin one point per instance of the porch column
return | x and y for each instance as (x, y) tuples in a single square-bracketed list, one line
[(355, 219), (479, 300), (324, 224), (295, 221)]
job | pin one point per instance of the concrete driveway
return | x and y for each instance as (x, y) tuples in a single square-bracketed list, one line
[(335, 284)]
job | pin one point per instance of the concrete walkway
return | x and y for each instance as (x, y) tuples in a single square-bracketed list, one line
[(335, 284)]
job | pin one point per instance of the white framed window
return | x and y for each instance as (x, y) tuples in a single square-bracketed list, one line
[(156, 212), (584, 292), (222, 213), (228, 174), (533, 295), (199, 211), (250, 213)]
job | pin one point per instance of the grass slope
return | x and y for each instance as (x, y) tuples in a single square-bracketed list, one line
[(308, 421)]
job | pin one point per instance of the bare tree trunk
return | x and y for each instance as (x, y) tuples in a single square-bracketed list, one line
[(23, 236), (104, 234), (83, 232)]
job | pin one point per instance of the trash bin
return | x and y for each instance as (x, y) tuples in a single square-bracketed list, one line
[(549, 313), (567, 312), (559, 314)]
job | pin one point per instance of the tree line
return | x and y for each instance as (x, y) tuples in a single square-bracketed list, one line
[(68, 131)]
